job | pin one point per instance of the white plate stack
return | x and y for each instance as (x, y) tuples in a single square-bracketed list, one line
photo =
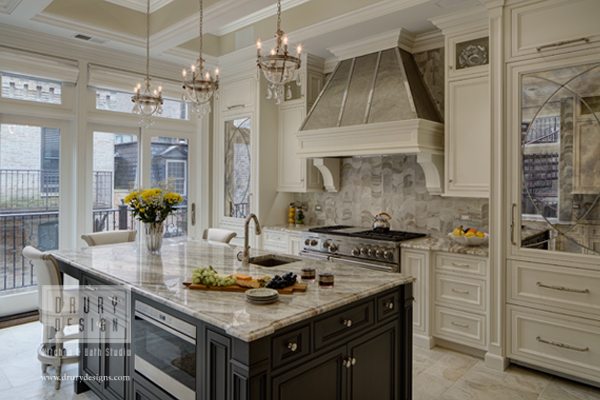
[(262, 296)]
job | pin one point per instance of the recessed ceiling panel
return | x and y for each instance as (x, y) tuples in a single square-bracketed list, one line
[(8, 6), (140, 5)]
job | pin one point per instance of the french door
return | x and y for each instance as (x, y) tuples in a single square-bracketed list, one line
[(34, 181)]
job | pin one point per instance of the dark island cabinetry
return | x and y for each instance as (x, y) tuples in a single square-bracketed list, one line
[(359, 351)]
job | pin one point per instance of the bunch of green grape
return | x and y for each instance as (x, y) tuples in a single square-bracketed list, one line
[(210, 277)]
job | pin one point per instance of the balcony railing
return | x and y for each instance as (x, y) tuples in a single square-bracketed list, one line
[(40, 229)]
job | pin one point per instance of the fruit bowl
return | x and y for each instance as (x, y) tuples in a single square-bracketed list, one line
[(469, 241)]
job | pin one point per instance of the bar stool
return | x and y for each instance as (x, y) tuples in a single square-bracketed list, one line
[(51, 351), (218, 235), (100, 238)]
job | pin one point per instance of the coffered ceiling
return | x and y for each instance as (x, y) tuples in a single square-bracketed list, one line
[(230, 25)]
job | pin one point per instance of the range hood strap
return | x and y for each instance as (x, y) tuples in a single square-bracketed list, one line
[(345, 98), (370, 98)]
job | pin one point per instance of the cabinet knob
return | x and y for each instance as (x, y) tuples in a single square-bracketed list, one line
[(390, 305), (353, 361), (450, 180), (347, 323), (292, 346), (349, 362)]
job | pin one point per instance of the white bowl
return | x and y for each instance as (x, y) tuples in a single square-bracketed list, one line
[(469, 241)]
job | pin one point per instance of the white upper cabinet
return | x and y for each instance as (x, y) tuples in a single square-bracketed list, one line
[(548, 27), (295, 174), (468, 138), (467, 110), (237, 95)]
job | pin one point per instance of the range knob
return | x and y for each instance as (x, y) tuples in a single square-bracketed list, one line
[(356, 252), (371, 252), (327, 243), (379, 253), (333, 247), (364, 251), (314, 242), (388, 255), (307, 242)]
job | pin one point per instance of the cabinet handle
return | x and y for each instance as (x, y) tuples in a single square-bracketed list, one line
[(562, 43), (347, 323), (459, 325), (460, 291), (349, 362), (292, 346), (236, 106), (562, 288), (561, 345), (390, 305), (193, 214), (512, 224), (450, 180), (459, 265)]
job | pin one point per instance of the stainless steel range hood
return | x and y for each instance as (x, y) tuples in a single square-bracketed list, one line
[(376, 104)]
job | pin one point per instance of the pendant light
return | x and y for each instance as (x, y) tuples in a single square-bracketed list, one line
[(147, 102), (199, 87), (279, 66)]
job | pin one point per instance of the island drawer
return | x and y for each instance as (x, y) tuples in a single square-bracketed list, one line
[(290, 346), (333, 327), (388, 305)]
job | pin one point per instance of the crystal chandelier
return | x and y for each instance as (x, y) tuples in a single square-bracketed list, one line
[(279, 67), (147, 102), (198, 85)]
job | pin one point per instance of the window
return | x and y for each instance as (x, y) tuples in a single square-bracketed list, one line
[(31, 89), (237, 167), (169, 171), (50, 152), (112, 100), (176, 175)]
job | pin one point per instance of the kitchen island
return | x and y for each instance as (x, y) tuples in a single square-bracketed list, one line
[(350, 341)]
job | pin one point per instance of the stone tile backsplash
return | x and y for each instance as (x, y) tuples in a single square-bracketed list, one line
[(394, 184)]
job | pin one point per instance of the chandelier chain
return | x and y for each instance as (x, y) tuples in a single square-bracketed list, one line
[(201, 19), (278, 15), (147, 39)]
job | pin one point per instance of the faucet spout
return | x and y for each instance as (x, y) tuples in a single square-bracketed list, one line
[(244, 255)]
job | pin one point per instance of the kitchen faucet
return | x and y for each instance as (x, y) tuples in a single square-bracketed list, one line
[(244, 256)]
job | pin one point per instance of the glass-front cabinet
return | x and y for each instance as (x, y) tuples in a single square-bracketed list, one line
[(237, 166), (556, 179)]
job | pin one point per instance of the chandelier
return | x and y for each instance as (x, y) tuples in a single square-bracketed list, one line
[(279, 66), (147, 102), (198, 85)]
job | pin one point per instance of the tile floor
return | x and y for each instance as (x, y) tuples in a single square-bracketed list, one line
[(439, 374)]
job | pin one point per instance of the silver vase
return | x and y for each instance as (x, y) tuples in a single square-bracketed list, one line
[(154, 236)]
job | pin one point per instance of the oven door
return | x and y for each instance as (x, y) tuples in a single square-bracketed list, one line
[(165, 351), (371, 264)]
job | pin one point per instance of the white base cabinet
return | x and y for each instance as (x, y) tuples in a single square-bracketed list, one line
[(450, 294), (281, 241)]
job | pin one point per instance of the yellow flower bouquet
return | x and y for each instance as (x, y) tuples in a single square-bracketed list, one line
[(152, 207)]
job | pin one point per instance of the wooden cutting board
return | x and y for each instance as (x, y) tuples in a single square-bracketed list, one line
[(297, 287)]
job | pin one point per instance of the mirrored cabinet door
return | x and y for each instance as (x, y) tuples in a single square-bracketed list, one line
[(560, 159), (238, 167)]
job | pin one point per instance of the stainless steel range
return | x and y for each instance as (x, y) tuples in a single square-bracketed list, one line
[(376, 249)]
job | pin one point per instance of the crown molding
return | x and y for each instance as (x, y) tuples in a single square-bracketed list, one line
[(8, 6), (471, 19), (428, 41), (257, 16), (370, 44), (77, 27), (56, 46), (140, 5)]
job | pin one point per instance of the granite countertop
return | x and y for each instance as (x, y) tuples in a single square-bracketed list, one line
[(160, 278), (289, 228), (445, 244)]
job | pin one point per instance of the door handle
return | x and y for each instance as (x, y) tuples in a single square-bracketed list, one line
[(193, 214)]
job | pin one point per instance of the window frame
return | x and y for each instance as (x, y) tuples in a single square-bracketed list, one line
[(185, 173)]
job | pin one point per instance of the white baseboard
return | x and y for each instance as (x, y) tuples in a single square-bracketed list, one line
[(496, 362), (425, 342), (19, 302)]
